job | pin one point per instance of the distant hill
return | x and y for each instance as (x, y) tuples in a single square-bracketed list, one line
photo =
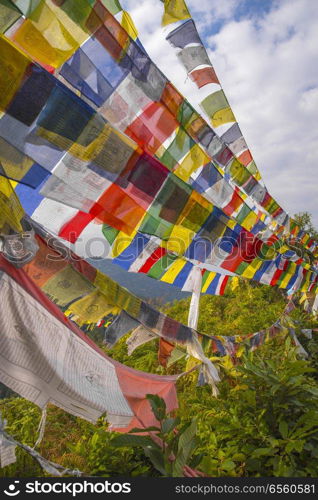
[(139, 284)]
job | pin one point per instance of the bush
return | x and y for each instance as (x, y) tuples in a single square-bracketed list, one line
[(264, 423)]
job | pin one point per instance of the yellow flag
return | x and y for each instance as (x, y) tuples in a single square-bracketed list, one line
[(45, 38), (92, 308), (117, 295), (13, 65), (173, 271), (128, 25), (223, 116), (195, 158), (122, 241), (175, 10), (10, 207), (179, 239), (234, 282)]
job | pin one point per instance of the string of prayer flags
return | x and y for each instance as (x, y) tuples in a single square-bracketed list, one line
[(101, 16), (192, 54), (52, 188), (144, 255), (65, 367), (159, 224), (141, 254), (99, 295), (134, 309)]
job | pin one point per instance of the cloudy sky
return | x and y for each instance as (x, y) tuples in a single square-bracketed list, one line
[(265, 53)]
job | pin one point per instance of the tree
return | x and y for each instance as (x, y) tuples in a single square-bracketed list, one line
[(304, 220)]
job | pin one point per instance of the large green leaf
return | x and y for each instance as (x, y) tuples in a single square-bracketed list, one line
[(283, 429), (228, 465), (196, 460), (260, 452), (158, 406), (169, 424), (186, 445), (157, 460)]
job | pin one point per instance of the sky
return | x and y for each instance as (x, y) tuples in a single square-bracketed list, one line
[(265, 53)]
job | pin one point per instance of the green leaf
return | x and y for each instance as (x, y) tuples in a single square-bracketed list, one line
[(239, 457), (283, 428), (187, 435), (312, 390), (295, 445), (157, 459), (196, 460), (183, 456), (228, 465), (158, 406), (94, 439), (169, 424), (260, 452), (254, 464), (186, 445)]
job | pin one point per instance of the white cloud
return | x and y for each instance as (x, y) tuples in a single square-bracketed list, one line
[(267, 63)]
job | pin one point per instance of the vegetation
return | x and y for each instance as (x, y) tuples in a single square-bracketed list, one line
[(168, 446), (264, 423), (304, 221)]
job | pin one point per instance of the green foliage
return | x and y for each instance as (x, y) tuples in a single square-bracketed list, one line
[(171, 446), (23, 419), (247, 310), (264, 423), (69, 441), (100, 460), (145, 358), (304, 220)]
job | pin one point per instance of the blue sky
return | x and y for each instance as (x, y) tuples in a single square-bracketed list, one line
[(255, 8), (265, 54), (241, 9)]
